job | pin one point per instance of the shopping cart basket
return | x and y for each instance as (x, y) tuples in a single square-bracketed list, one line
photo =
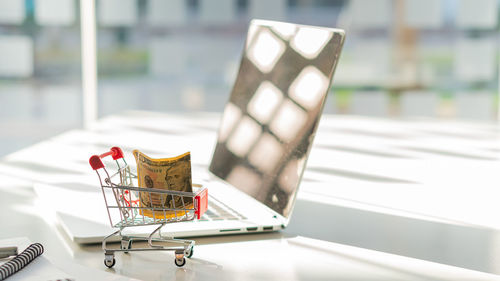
[(124, 210)]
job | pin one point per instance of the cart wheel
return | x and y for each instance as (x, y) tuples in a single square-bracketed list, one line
[(180, 262), (109, 261), (189, 252)]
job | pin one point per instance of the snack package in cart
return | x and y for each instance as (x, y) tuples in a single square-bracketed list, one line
[(172, 174)]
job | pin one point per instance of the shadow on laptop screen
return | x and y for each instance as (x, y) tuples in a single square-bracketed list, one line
[(272, 114)]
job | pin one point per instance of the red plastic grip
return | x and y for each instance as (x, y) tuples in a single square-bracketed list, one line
[(95, 160), (115, 152), (202, 202)]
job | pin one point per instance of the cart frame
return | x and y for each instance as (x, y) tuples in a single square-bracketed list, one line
[(125, 205)]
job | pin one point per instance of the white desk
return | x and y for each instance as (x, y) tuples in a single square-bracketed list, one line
[(421, 189)]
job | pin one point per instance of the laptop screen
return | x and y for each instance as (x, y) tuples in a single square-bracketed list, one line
[(270, 120)]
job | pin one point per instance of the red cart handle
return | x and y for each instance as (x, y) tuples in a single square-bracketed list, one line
[(95, 160)]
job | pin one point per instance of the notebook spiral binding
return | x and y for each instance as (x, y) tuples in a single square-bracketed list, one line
[(21, 260)]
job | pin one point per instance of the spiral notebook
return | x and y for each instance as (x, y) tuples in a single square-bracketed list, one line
[(41, 268)]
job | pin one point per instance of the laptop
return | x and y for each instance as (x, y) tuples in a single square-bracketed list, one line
[(263, 140)]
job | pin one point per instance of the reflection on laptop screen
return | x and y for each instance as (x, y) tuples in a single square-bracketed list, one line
[(272, 115)]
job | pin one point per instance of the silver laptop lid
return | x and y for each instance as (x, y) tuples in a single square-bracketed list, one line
[(270, 120)]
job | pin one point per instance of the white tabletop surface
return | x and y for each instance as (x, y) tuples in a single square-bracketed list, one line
[(381, 199)]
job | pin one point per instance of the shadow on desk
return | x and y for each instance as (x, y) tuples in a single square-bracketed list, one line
[(458, 245)]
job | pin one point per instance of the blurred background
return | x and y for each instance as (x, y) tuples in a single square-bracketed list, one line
[(402, 58)]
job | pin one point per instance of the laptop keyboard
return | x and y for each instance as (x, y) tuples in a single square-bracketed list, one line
[(219, 211)]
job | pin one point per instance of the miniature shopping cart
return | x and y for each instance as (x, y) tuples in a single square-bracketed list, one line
[(125, 210)]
